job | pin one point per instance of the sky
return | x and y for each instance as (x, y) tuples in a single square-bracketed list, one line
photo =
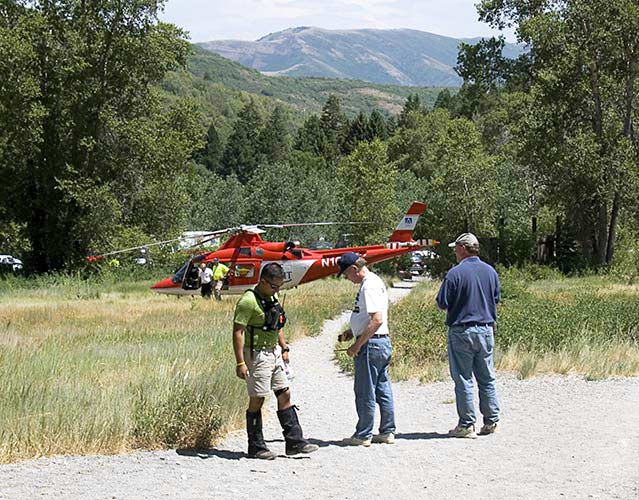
[(207, 20)]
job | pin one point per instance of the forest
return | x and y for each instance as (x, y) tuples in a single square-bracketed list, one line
[(114, 133)]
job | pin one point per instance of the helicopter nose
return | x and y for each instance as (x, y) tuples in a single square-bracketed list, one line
[(165, 283)]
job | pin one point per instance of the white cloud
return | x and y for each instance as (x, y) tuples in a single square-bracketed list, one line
[(251, 19)]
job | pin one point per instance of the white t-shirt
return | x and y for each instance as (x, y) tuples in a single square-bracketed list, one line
[(371, 298), (206, 275)]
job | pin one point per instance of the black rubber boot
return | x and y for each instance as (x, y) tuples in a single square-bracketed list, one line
[(256, 445), (292, 430)]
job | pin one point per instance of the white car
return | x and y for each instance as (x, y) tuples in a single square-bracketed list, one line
[(7, 261)]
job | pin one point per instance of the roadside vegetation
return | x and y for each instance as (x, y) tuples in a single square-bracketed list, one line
[(586, 326), (108, 367)]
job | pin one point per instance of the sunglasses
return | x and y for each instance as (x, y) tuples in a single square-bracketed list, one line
[(273, 285)]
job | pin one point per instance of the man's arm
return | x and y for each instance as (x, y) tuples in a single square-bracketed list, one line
[(241, 369), (372, 326), (282, 342)]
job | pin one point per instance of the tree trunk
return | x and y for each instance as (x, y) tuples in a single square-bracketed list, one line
[(612, 230)]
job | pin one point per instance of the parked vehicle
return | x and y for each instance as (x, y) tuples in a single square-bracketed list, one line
[(9, 263)]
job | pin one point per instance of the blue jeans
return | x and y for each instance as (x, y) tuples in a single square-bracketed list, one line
[(470, 352), (372, 386)]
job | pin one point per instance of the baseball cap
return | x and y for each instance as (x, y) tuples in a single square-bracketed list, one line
[(466, 239), (346, 261), (216, 260)]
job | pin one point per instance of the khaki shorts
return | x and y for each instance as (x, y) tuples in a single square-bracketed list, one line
[(266, 372)]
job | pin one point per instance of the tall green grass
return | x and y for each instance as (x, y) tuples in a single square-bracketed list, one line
[(106, 367), (547, 324)]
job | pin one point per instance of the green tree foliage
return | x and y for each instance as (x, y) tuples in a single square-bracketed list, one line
[(369, 180), (275, 137), (445, 100), (243, 150), (461, 182), (215, 202), (279, 193), (211, 154), (580, 136), (378, 128), (311, 138), (81, 132), (335, 127), (358, 130), (412, 107)]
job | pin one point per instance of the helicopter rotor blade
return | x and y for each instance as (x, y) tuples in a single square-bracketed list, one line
[(300, 224), (209, 236)]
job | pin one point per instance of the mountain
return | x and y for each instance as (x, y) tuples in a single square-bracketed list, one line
[(397, 56), (216, 79)]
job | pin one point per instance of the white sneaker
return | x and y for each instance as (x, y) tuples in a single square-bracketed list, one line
[(355, 441), (463, 432), (388, 438)]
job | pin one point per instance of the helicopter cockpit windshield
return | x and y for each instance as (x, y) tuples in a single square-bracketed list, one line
[(179, 274)]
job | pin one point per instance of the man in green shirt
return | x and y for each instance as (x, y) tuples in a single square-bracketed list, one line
[(260, 353), (219, 273)]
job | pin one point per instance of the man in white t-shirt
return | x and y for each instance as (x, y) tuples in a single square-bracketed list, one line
[(206, 276), (371, 352)]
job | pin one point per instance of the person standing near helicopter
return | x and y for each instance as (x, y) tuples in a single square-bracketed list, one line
[(205, 276), (219, 273), (260, 353)]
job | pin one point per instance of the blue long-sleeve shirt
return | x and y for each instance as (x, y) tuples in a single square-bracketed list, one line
[(470, 293)]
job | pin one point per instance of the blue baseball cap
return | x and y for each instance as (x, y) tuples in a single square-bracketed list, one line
[(346, 261)]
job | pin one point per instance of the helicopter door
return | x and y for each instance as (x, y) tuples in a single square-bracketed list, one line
[(191, 280), (244, 274)]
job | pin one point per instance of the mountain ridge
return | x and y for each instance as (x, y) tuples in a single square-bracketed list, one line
[(398, 56)]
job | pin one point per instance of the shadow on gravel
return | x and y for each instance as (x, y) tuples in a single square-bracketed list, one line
[(205, 453), (324, 444), (422, 435)]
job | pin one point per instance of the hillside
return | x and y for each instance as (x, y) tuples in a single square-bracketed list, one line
[(397, 56), (305, 95)]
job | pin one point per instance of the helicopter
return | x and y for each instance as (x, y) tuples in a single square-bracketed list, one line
[(245, 253)]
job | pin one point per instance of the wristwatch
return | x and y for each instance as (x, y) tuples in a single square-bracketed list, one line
[(286, 349)]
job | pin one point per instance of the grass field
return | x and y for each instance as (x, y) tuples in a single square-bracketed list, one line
[(547, 324), (91, 367)]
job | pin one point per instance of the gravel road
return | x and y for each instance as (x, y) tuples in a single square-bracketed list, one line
[(560, 438)]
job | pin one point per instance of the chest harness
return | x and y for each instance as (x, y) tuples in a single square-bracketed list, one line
[(265, 336)]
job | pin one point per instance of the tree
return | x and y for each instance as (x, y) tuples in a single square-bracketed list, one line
[(369, 181), (280, 194), (580, 135), (215, 202), (211, 154), (358, 130), (460, 180), (486, 72), (311, 138), (275, 137), (377, 126), (445, 100), (243, 149), (413, 106), (335, 126), (83, 137)]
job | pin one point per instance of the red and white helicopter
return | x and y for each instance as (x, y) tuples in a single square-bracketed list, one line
[(245, 252)]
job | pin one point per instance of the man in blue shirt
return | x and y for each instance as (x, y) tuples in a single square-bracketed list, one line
[(469, 295)]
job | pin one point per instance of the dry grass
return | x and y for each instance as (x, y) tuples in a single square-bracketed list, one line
[(112, 368), (594, 362), (585, 326)]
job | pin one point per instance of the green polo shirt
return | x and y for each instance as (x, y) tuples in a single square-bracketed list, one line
[(248, 313)]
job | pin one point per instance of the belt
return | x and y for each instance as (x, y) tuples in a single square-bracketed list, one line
[(468, 325), (266, 349), (376, 336)]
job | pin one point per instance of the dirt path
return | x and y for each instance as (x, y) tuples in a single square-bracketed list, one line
[(560, 438)]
